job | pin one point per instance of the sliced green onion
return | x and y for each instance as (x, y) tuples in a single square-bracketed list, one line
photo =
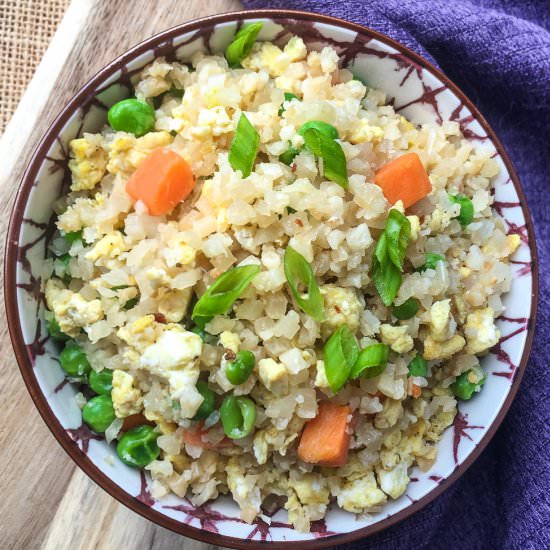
[(418, 367), (62, 269), (298, 271), (387, 260), (406, 310), (206, 337), (326, 129), (340, 354), (223, 292), (431, 261), (398, 232), (288, 97), (131, 303), (289, 155), (244, 147), (466, 209), (242, 43), (334, 160), (73, 236), (371, 361)]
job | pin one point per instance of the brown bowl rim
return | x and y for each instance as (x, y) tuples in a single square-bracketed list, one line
[(26, 368)]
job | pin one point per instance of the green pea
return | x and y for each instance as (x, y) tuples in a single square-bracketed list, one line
[(241, 368), (99, 413), (54, 331), (323, 127), (101, 382), (133, 116), (468, 383), (209, 404), (418, 367), (289, 155), (466, 215), (73, 360), (238, 415), (138, 446)]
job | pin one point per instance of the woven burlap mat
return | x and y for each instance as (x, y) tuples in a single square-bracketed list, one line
[(26, 28)]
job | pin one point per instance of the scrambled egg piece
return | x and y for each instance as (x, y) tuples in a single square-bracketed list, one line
[(244, 489), (321, 380), (393, 482), (392, 411), (87, 164), (397, 338), (442, 350), (179, 252), (126, 151), (310, 488), (173, 303), (273, 376), (440, 219), (174, 358), (480, 330), (71, 310), (230, 340), (442, 324), (109, 246), (363, 131), (270, 57), (513, 241), (341, 307), (360, 494), (415, 227), (212, 122), (127, 399), (275, 439)]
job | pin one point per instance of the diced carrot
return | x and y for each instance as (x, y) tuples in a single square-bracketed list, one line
[(161, 181), (416, 391), (405, 179), (325, 439), (135, 420), (196, 438)]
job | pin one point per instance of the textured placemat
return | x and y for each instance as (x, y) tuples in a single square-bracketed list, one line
[(26, 27)]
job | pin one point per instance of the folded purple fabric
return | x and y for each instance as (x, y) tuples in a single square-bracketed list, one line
[(498, 52)]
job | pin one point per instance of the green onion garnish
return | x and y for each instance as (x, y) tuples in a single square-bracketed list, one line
[(398, 231), (323, 146), (244, 147), (466, 209), (340, 354), (371, 361), (289, 155), (387, 260), (242, 44), (432, 259), (73, 236), (418, 367), (406, 310), (298, 271), (326, 129), (288, 97), (132, 302), (223, 292)]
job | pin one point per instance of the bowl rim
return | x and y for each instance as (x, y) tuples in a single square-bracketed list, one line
[(26, 367)]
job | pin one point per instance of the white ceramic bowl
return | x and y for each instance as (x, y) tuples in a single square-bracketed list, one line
[(418, 91)]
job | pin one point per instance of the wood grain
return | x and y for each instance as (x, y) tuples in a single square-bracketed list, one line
[(46, 501)]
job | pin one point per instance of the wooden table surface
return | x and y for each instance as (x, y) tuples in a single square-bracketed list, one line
[(47, 502)]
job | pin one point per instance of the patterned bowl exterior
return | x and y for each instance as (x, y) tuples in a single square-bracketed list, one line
[(417, 90)]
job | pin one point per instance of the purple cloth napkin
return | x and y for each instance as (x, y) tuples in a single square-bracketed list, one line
[(498, 52)]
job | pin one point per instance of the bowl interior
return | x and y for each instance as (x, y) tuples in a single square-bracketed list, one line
[(415, 91)]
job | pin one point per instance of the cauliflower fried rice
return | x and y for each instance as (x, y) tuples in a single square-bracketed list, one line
[(127, 289)]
